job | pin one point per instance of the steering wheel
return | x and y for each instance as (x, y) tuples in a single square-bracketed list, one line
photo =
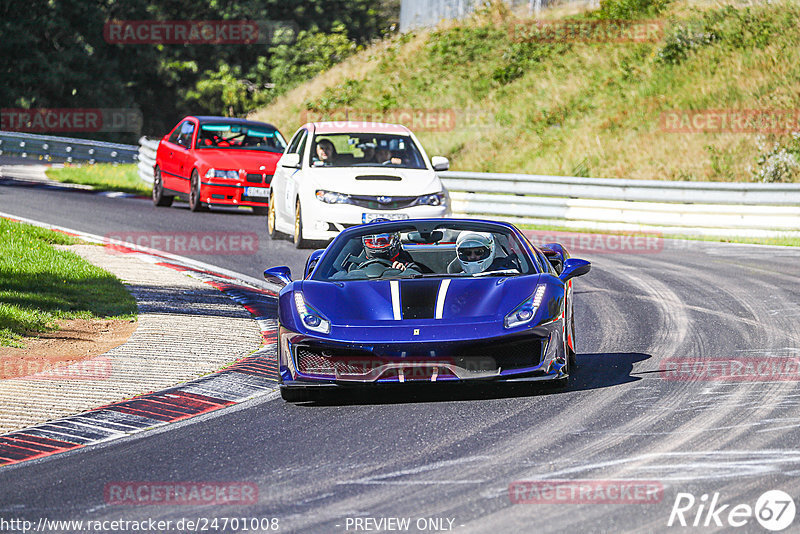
[(385, 263), (388, 266)]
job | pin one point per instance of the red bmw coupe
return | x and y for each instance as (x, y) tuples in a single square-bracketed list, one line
[(217, 161)]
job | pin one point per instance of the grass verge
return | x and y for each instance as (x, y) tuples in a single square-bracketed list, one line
[(574, 108), (103, 176), (40, 285)]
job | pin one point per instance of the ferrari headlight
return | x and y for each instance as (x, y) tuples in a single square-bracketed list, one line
[(218, 173), (312, 319), (332, 197), (525, 312), (436, 199)]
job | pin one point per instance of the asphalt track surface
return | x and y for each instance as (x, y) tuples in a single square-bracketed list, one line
[(452, 452)]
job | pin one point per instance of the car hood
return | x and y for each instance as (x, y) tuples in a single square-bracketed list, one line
[(458, 300), (235, 159), (376, 181)]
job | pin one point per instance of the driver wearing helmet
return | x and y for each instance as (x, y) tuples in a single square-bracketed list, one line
[(476, 252), (386, 247)]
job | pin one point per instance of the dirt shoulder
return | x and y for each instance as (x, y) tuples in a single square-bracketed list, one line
[(77, 340)]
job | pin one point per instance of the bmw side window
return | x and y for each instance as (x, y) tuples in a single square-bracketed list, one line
[(185, 137), (173, 138)]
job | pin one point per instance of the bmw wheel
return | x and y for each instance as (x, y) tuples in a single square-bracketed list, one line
[(194, 193), (159, 198)]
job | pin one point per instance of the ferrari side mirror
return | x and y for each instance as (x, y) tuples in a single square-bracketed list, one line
[(574, 267)]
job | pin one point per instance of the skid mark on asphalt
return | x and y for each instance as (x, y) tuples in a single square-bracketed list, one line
[(670, 467)]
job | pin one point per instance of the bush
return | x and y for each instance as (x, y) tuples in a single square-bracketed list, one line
[(778, 163), (682, 41), (291, 65), (629, 9)]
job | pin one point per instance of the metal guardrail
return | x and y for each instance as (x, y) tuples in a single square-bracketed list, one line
[(756, 209), (52, 148), (147, 158)]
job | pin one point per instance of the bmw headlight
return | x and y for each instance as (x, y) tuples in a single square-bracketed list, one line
[(218, 173), (436, 199), (332, 197), (312, 319), (525, 312)]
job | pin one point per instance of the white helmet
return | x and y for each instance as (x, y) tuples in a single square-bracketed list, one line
[(475, 251)]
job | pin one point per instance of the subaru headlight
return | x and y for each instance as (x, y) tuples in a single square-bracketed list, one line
[(332, 197), (311, 318), (525, 312), (218, 173), (436, 199)]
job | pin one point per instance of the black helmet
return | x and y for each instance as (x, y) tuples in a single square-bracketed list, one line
[(383, 246)]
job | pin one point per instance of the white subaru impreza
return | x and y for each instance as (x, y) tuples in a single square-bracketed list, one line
[(334, 175)]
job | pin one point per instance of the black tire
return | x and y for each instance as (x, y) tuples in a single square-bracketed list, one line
[(259, 210), (159, 198), (299, 242), (194, 193), (573, 360), (563, 383), (295, 394)]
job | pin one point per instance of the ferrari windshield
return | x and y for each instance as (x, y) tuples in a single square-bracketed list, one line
[(365, 150), (400, 250), (240, 136)]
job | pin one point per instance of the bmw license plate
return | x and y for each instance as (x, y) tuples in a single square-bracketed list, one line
[(261, 192), (367, 217)]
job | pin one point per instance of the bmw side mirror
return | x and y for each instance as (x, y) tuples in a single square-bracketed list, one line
[(574, 267), (291, 161), (278, 275), (440, 163)]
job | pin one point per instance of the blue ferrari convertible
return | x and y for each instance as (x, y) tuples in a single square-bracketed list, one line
[(430, 300)]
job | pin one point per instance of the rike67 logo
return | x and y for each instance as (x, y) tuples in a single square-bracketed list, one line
[(774, 510)]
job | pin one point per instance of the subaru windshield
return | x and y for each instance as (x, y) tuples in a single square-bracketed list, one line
[(366, 150)]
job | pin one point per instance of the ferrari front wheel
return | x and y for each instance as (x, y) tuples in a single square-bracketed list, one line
[(294, 394)]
